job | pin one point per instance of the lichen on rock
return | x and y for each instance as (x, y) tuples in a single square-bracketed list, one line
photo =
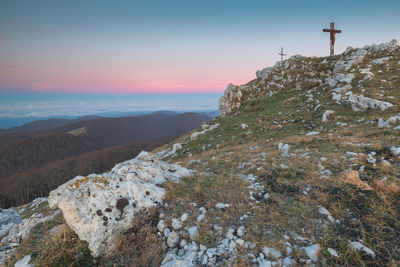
[(130, 187)]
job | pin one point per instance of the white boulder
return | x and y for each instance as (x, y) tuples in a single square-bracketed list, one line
[(360, 102), (99, 207)]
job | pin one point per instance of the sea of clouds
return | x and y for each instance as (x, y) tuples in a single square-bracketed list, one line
[(36, 106)]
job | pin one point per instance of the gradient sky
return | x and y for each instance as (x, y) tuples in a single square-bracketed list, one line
[(171, 46)]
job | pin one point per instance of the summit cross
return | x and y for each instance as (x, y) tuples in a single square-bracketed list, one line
[(333, 33), (282, 54)]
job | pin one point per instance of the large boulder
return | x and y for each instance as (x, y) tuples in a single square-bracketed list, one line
[(231, 99), (99, 207)]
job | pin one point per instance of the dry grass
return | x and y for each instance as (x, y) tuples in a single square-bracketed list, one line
[(139, 246)]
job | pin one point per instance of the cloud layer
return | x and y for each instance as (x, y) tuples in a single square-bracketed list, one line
[(75, 105)]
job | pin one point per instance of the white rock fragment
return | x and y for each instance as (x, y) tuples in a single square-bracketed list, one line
[(271, 252), (312, 252), (184, 217), (221, 206), (360, 247), (265, 263), (380, 61), (174, 260), (312, 133), (326, 114), (395, 150), (176, 224), (100, 207), (161, 226), (284, 148), (201, 217), (24, 262), (173, 239), (193, 232), (241, 231), (333, 252), (244, 126), (383, 124), (206, 128), (344, 78)]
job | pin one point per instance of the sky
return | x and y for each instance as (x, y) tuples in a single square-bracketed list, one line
[(163, 47)]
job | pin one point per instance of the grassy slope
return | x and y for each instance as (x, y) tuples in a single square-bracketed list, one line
[(370, 216), (295, 184)]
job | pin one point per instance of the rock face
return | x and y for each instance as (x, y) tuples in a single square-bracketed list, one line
[(99, 207), (231, 99)]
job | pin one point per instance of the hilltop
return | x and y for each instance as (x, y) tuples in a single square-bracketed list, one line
[(301, 168)]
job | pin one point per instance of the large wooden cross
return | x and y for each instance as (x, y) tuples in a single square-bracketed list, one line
[(333, 33), (282, 54)]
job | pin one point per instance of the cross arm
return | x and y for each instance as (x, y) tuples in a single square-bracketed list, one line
[(326, 30)]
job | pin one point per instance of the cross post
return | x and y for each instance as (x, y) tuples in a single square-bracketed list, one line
[(332, 32), (282, 54)]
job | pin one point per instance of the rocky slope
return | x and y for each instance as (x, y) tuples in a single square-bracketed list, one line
[(301, 169)]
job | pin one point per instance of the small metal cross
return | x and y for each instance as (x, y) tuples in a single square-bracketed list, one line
[(282, 54)]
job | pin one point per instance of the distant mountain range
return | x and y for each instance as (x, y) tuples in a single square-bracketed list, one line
[(27, 152)]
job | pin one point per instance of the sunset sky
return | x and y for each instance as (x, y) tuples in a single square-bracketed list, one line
[(171, 46)]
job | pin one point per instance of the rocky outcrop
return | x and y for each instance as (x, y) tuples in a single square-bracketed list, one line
[(205, 128), (231, 100), (335, 75), (360, 102), (99, 207), (14, 229)]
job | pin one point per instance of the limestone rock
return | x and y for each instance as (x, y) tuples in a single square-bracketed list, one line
[(173, 239), (359, 102), (99, 207), (395, 150), (271, 252), (161, 226), (312, 252), (284, 148), (193, 232), (360, 247), (176, 224), (326, 114), (173, 260), (8, 219), (231, 100), (333, 252), (205, 128), (24, 262), (262, 74), (265, 263)]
